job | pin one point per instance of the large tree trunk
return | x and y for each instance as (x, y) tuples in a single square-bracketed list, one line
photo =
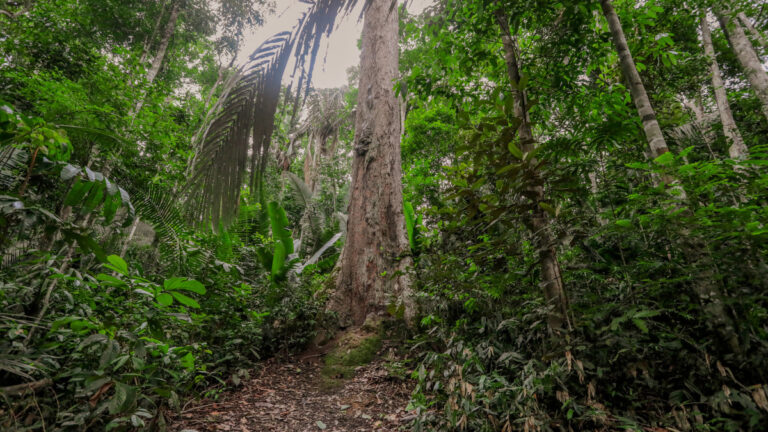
[(643, 104), (376, 255), (737, 149), (538, 221), (747, 56)]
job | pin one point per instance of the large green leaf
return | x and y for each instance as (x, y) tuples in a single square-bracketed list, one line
[(178, 283), (78, 192), (95, 197), (186, 301), (111, 205), (280, 231), (118, 264), (278, 261)]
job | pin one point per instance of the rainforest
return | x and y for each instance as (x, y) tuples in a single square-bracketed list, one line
[(384, 215)]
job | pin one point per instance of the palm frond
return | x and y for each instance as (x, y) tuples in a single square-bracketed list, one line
[(12, 163), (236, 144), (160, 210), (316, 256), (695, 130), (301, 191)]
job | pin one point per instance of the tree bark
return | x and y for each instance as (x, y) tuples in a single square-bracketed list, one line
[(538, 221), (756, 35), (170, 29), (151, 38), (737, 149), (131, 233), (643, 104), (747, 56), (376, 254), (31, 387), (157, 61)]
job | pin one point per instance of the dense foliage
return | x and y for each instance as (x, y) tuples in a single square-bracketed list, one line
[(121, 295)]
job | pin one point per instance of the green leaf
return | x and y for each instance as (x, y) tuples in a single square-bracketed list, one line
[(665, 159), (164, 299), (646, 314), (110, 280), (640, 324), (118, 263), (516, 152), (111, 205), (123, 400), (265, 257), (77, 193), (188, 361), (410, 223), (88, 244), (626, 223), (94, 198), (637, 165), (279, 222), (172, 283), (321, 425), (186, 301), (191, 285), (278, 261)]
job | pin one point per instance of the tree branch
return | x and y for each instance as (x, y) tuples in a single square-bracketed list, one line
[(23, 388)]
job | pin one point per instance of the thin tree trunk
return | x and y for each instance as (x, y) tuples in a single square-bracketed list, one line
[(130, 236), (157, 61), (643, 104), (737, 149), (539, 223), (756, 35), (308, 156), (170, 29), (747, 56), (376, 254), (151, 38)]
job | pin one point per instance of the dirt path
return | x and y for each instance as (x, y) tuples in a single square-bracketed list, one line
[(296, 397)]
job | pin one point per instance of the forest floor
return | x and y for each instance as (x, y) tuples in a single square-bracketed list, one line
[(304, 394)]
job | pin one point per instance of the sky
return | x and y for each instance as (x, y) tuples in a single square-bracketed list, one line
[(337, 54)]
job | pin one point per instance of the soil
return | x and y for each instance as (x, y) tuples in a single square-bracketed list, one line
[(297, 396)]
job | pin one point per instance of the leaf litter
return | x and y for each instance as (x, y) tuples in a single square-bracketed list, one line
[(292, 397)]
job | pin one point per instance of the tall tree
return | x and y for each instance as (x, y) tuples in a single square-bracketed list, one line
[(747, 56), (551, 279), (737, 149), (162, 49), (643, 104), (376, 254)]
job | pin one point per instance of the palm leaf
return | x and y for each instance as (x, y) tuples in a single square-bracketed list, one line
[(236, 144), (160, 210), (12, 164), (300, 189), (316, 256)]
